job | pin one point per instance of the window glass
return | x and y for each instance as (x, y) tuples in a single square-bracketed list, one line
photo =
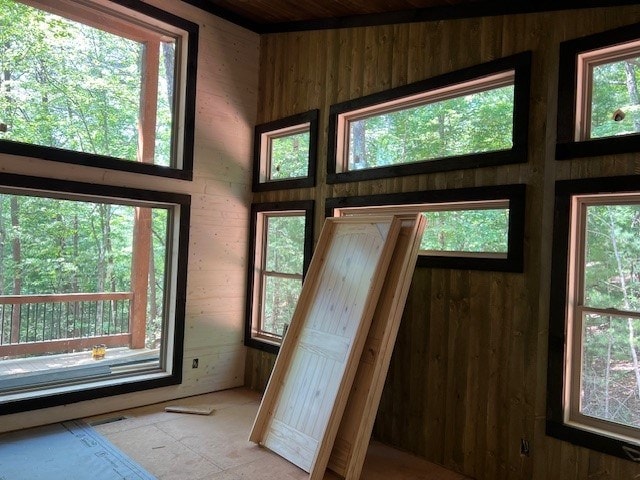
[(470, 122), (94, 83), (85, 291), (615, 102), (280, 300), (281, 243), (479, 229), (609, 384), (281, 279), (476, 230), (610, 372), (289, 156), (285, 152)]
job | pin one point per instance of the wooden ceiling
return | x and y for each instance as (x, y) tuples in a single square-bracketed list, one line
[(269, 16)]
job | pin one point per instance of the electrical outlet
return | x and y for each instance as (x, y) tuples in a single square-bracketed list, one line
[(194, 363)]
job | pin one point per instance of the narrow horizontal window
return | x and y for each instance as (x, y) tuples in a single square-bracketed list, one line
[(88, 292), (464, 119), (597, 308), (473, 234), (285, 153), (472, 118), (100, 86), (281, 245), (598, 99)]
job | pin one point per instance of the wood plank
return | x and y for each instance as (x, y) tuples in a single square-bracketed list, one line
[(309, 386), (355, 429)]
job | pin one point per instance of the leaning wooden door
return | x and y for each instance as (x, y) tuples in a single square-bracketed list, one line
[(352, 439), (309, 386)]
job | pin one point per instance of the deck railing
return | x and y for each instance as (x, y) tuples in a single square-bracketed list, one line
[(61, 323)]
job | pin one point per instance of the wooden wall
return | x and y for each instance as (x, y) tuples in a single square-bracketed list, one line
[(227, 92), (468, 377)]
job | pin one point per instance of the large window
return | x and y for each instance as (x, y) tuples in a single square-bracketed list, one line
[(98, 84), (476, 228), (281, 242), (92, 289), (285, 152), (466, 119), (598, 99), (596, 307)]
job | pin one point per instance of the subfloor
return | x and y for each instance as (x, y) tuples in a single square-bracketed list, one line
[(215, 447)]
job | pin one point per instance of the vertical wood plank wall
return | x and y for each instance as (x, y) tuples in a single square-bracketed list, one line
[(468, 377), (226, 102)]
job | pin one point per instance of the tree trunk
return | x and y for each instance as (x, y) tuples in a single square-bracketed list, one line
[(632, 88), (359, 145), (168, 50)]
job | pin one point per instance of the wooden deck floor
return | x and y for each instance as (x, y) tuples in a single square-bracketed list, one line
[(42, 364), (215, 447)]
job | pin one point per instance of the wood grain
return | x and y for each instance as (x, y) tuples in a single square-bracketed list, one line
[(467, 379), (353, 435), (308, 389)]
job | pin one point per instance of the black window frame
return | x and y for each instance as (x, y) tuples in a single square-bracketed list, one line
[(520, 63), (567, 147), (51, 187), (310, 117), (556, 427), (514, 193), (308, 206), (112, 163)]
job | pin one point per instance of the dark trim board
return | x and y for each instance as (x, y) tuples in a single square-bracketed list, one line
[(481, 8)]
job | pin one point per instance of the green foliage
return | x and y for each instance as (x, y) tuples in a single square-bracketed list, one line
[(615, 88), (290, 156), (284, 255), (67, 85), (473, 123), (611, 281), (53, 246), (482, 230)]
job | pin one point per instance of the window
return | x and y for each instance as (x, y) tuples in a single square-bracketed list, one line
[(285, 153), (92, 295), (98, 84), (281, 247), (466, 119), (495, 216), (598, 100), (594, 366)]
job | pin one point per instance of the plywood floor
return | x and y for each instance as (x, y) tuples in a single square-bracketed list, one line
[(196, 447)]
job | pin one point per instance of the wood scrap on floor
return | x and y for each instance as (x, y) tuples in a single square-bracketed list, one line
[(193, 409)]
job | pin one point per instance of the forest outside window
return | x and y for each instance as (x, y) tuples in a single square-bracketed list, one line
[(496, 223), (285, 152), (598, 309), (599, 99), (466, 119), (281, 237), (92, 299), (98, 84)]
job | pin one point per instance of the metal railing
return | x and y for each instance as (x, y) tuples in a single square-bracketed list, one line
[(61, 323)]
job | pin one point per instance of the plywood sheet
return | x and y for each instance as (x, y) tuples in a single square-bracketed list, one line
[(309, 386), (352, 440)]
